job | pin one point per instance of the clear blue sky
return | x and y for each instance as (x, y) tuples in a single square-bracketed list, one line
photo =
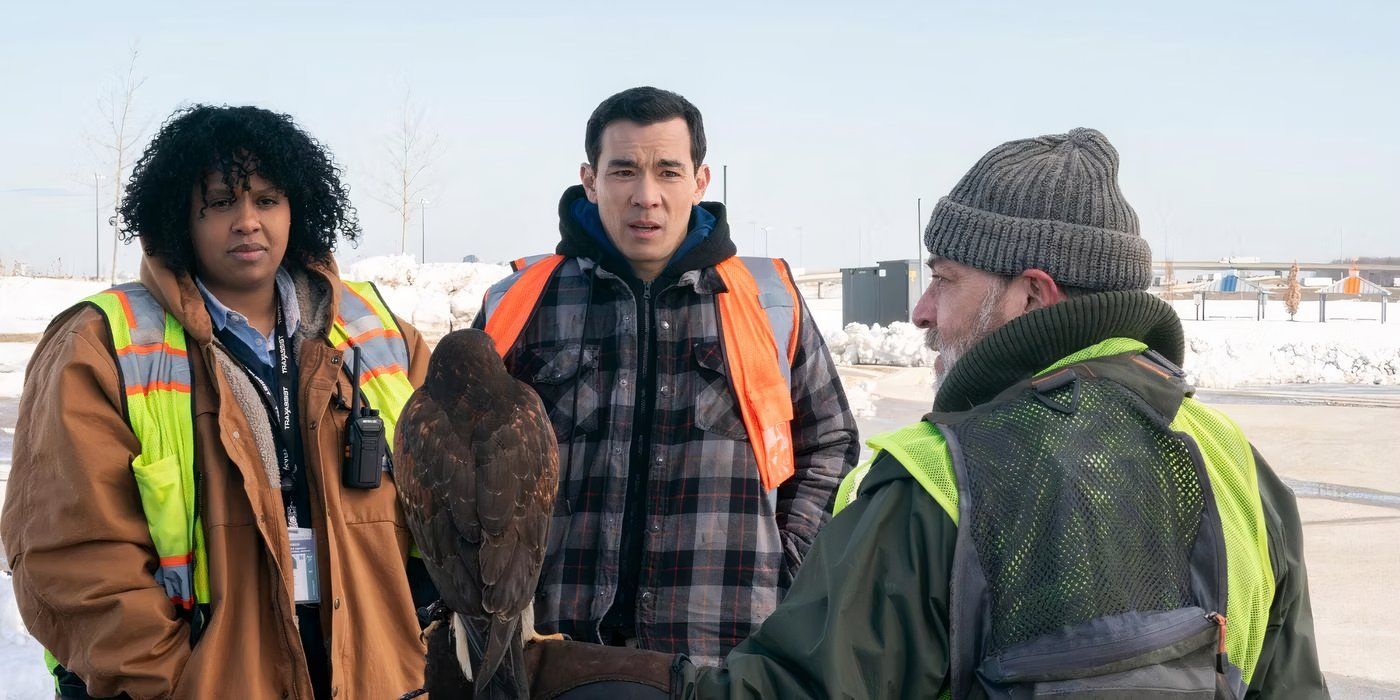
[(1262, 128)]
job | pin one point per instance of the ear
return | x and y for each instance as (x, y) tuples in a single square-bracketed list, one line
[(589, 178), (1038, 289), (702, 182)]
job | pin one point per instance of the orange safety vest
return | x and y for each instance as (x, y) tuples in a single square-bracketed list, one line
[(758, 307)]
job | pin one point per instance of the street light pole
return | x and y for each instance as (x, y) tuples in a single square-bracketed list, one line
[(96, 227), (422, 231), (919, 243)]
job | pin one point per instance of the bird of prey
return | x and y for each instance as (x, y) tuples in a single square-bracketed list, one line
[(476, 466)]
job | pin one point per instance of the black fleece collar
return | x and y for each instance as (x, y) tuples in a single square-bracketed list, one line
[(1030, 343), (574, 242)]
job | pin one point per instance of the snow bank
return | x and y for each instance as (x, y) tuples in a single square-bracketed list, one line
[(900, 345), (1219, 354), (1223, 354), (27, 304), (435, 297), (22, 671)]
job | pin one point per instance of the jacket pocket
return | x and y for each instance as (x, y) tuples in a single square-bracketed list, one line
[(162, 490), (716, 410), (565, 376)]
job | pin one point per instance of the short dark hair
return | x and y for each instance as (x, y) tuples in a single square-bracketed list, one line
[(645, 106), (235, 142)]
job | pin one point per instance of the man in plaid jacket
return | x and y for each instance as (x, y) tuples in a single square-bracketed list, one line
[(663, 536)]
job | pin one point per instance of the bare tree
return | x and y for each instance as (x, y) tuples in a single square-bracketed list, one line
[(121, 135), (412, 148), (1293, 295)]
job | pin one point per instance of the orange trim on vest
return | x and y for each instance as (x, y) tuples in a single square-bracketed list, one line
[(765, 400), (371, 334), (157, 386), (148, 349), (126, 307), (508, 320), (373, 372), (764, 397), (177, 560)]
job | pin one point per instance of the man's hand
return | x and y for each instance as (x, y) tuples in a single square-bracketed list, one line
[(576, 670)]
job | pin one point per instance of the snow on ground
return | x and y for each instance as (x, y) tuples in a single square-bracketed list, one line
[(1229, 349), (13, 358), (27, 304), (23, 675), (435, 297)]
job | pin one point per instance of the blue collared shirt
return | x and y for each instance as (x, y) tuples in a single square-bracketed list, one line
[(232, 323)]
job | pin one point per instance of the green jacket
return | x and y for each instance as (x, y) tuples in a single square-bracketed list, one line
[(868, 615)]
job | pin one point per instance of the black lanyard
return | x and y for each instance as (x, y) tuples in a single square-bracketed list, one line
[(280, 409)]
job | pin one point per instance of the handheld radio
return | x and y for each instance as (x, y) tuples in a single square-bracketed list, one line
[(365, 448)]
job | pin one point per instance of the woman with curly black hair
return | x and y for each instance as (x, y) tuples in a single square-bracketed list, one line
[(189, 514)]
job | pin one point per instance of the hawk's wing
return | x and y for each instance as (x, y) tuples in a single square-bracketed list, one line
[(433, 472), (477, 485), (517, 471)]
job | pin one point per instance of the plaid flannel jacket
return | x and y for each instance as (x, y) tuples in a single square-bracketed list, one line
[(719, 552)]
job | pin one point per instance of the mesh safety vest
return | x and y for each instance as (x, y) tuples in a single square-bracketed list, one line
[(760, 316), (152, 357), (1201, 436)]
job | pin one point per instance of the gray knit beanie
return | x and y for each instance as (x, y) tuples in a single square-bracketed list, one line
[(1050, 203)]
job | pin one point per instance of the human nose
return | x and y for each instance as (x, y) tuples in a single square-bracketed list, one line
[(246, 219), (647, 195), (924, 308)]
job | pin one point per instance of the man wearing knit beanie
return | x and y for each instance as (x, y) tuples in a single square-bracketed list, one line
[(1068, 520)]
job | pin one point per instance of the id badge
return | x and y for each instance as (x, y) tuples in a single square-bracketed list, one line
[(306, 580)]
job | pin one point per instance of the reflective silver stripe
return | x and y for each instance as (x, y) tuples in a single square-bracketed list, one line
[(778, 303), (497, 292), (145, 368), (359, 318), (357, 325), (178, 581)]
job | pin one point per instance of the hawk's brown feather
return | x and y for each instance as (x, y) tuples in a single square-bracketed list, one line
[(477, 467)]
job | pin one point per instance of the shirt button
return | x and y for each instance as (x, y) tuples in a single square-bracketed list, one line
[(235, 435), (660, 459), (664, 389), (656, 527), (646, 597), (313, 425), (626, 318), (335, 691), (623, 382), (617, 449), (665, 325), (335, 360), (337, 604)]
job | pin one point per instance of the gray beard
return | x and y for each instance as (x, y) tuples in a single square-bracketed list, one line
[(952, 350)]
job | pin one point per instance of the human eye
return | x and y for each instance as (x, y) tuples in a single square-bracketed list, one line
[(269, 200)]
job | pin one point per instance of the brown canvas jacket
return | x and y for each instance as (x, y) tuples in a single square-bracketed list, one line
[(82, 557)]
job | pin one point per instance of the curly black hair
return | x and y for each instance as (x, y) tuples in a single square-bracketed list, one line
[(235, 142)]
